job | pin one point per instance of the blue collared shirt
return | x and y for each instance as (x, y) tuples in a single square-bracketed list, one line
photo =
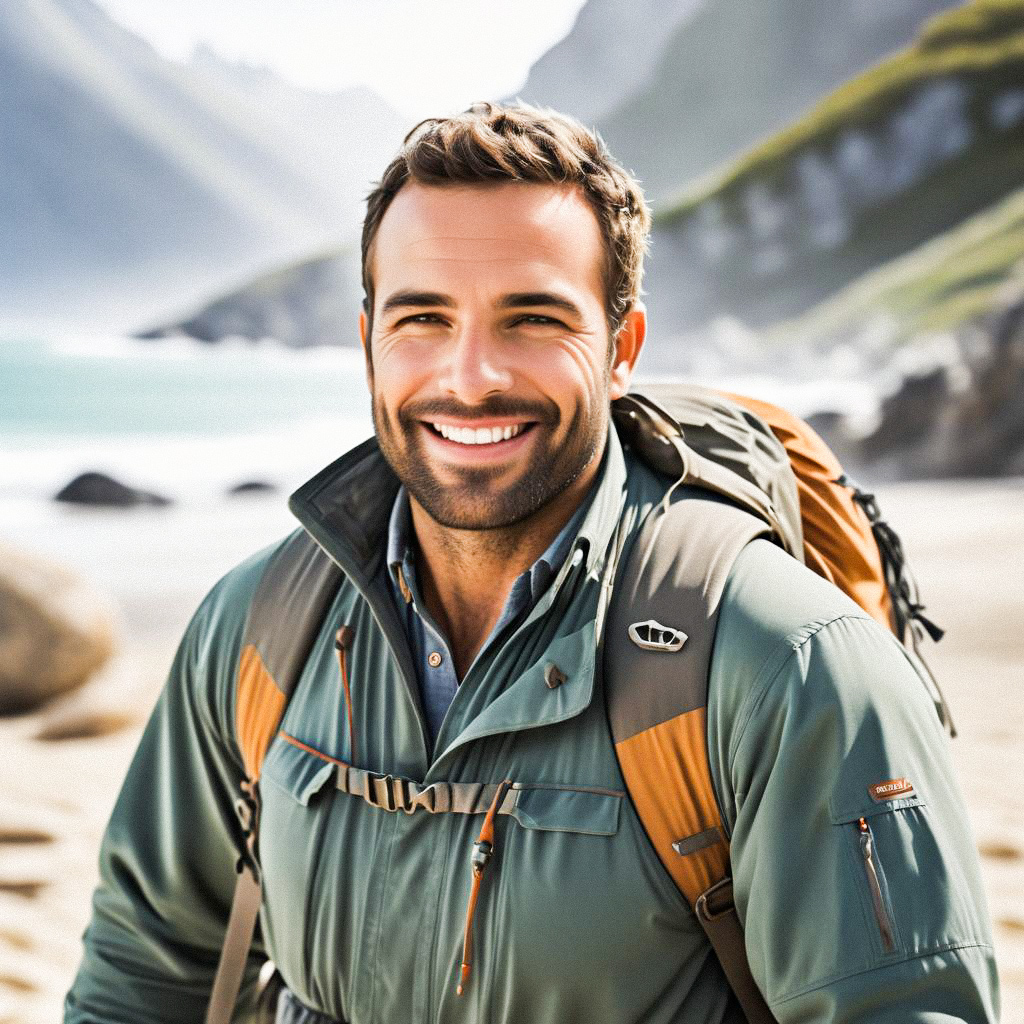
[(435, 666)]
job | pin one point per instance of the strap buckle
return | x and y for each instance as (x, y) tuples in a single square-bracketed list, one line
[(378, 792), (717, 902), (247, 809), (434, 799)]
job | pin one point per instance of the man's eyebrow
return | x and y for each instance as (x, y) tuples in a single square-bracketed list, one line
[(416, 300), (517, 300)]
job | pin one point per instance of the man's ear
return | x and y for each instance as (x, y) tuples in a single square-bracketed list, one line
[(628, 343)]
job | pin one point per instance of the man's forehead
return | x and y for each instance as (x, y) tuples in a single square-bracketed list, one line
[(507, 224)]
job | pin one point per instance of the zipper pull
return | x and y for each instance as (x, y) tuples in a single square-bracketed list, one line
[(865, 837), (483, 848), (342, 642)]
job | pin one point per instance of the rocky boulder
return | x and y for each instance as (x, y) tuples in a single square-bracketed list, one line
[(55, 631), (99, 489), (965, 420)]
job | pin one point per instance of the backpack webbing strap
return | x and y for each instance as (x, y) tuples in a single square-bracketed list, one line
[(657, 695), (285, 616), (395, 793), (716, 911), (245, 910)]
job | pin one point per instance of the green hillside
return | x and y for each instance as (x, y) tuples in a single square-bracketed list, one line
[(983, 40), (938, 287), (734, 72), (898, 155)]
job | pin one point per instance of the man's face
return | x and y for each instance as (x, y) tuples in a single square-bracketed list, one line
[(490, 364)]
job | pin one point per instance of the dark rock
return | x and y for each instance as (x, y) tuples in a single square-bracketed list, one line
[(99, 489), (834, 429), (931, 428), (253, 487), (910, 416)]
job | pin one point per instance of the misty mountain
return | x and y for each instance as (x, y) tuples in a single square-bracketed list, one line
[(610, 53), (313, 302), (342, 140), (134, 184), (679, 86), (897, 156), (688, 282)]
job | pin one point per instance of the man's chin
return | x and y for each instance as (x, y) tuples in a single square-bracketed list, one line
[(469, 511)]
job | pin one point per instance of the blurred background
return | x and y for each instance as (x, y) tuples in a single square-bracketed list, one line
[(838, 191)]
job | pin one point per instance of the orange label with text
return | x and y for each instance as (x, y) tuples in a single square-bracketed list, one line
[(890, 789)]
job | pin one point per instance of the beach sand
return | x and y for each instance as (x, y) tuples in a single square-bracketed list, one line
[(965, 542)]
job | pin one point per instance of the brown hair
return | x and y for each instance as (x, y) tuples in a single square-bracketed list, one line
[(492, 142)]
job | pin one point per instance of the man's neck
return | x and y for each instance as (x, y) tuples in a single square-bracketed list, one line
[(467, 575)]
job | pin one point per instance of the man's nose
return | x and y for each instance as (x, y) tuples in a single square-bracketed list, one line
[(476, 365)]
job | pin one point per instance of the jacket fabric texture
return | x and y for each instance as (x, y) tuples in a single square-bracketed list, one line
[(811, 704)]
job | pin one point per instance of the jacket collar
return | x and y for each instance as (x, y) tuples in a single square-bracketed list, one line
[(346, 508)]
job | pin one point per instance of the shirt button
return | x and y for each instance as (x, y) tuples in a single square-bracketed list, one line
[(433, 659)]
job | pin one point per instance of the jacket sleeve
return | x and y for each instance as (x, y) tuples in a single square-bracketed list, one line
[(167, 861), (859, 903)]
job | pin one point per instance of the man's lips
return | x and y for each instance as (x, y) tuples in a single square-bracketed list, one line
[(478, 440)]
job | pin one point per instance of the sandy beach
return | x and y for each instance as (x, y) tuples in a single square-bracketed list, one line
[(62, 766)]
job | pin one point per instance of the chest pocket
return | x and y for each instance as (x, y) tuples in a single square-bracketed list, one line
[(548, 808), (298, 773)]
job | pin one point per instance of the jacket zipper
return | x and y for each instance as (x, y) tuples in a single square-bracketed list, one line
[(867, 849)]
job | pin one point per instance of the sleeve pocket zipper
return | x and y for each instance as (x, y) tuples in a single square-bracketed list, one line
[(867, 850)]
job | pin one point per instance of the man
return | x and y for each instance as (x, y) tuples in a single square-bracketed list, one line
[(502, 259)]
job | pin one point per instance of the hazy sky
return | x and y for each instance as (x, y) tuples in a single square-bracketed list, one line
[(423, 56)]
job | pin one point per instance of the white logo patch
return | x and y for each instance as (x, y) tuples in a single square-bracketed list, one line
[(653, 636)]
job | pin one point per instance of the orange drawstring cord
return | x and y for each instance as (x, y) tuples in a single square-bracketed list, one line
[(483, 848), (342, 641)]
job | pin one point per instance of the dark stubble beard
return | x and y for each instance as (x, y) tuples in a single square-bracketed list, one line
[(475, 501)]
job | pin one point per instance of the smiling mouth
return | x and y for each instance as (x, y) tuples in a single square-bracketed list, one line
[(479, 435)]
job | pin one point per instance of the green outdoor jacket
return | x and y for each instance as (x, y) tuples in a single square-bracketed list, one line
[(811, 702)]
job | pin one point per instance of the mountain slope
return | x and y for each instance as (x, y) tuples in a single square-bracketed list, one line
[(131, 181), (313, 302), (342, 141), (894, 157), (678, 86), (608, 54), (736, 72), (938, 287)]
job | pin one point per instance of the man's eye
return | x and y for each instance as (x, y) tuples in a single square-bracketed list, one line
[(538, 319), (420, 318)]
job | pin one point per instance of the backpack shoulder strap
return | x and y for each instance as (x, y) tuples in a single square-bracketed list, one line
[(285, 616), (657, 653)]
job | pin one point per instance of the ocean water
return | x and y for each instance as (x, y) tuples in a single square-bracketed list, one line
[(190, 419), (178, 416)]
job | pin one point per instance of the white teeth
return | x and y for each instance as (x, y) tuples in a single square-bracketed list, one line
[(477, 435)]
